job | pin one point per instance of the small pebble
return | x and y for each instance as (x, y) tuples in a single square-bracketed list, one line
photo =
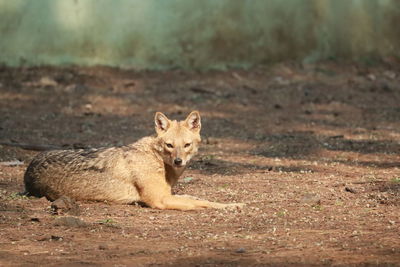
[(56, 238), (65, 204), (103, 247), (241, 250), (310, 198), (70, 221), (351, 190)]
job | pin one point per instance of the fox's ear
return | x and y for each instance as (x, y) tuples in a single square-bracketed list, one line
[(193, 121), (162, 123)]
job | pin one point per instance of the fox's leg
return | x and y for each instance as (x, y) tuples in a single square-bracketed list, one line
[(210, 204), (185, 203), (188, 203), (158, 195)]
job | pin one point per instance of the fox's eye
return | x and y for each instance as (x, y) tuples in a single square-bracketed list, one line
[(188, 145), (169, 145)]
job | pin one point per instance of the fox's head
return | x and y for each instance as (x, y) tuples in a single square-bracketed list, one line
[(178, 141)]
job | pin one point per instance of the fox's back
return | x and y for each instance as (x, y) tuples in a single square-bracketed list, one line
[(92, 174)]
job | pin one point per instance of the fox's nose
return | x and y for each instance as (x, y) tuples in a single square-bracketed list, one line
[(178, 161)]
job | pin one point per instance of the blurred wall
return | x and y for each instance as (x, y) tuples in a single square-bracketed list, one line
[(157, 34)]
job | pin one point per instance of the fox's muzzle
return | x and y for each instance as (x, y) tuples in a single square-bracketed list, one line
[(178, 162)]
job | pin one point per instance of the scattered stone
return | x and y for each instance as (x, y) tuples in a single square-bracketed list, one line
[(312, 199), (371, 77), (46, 238), (35, 219), (390, 74), (240, 250), (281, 81), (103, 247), (47, 81), (65, 204), (50, 238), (187, 179), (351, 190), (12, 163), (56, 238), (70, 221)]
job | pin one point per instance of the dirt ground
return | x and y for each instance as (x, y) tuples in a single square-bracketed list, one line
[(313, 151)]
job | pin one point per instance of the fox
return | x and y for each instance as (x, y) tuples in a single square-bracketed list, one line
[(142, 172)]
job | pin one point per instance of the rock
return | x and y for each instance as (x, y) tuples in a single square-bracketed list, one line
[(70, 221), (311, 199), (50, 238), (240, 250), (12, 163), (351, 190), (371, 77), (187, 179), (47, 81), (65, 204), (56, 238), (46, 238), (103, 247)]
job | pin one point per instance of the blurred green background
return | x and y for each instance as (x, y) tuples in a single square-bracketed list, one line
[(206, 34)]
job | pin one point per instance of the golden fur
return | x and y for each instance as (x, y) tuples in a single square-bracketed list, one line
[(144, 171)]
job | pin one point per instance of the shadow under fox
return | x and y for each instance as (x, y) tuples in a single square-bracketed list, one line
[(144, 171)]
